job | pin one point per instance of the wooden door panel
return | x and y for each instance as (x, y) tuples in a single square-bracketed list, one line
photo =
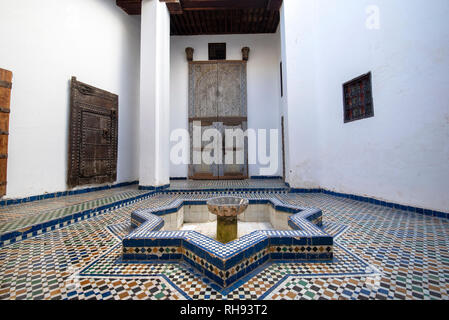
[(217, 97), (203, 90), (96, 120), (96, 152), (5, 100), (93, 135), (5, 96), (232, 112), (202, 170), (94, 168), (202, 107), (238, 149), (4, 122), (231, 89), (3, 145)]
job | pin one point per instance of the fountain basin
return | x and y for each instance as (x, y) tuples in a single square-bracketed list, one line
[(227, 206), (301, 240), (227, 209)]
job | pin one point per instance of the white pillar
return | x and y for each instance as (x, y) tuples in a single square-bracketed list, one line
[(154, 95), (299, 101)]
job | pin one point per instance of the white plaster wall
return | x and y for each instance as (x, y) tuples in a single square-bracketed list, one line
[(262, 76), (400, 155), (44, 43)]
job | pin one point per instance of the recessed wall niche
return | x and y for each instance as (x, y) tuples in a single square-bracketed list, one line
[(217, 51)]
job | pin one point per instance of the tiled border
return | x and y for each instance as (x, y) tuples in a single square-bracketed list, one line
[(7, 202), (252, 190), (227, 263), (48, 226), (164, 189), (266, 178), (152, 188), (427, 212)]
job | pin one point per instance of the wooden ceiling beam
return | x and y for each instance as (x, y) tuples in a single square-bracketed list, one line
[(173, 6), (193, 17), (274, 5), (196, 5), (131, 7)]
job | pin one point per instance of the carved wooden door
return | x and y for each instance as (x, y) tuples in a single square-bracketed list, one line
[(202, 108), (5, 96), (217, 98), (93, 135), (232, 115)]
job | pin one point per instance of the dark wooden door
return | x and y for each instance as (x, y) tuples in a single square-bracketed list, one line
[(5, 98), (93, 135)]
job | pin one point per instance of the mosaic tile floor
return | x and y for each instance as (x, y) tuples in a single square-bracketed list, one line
[(380, 253), (14, 217), (19, 216)]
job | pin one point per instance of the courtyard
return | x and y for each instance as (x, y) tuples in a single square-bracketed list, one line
[(379, 253), (224, 156)]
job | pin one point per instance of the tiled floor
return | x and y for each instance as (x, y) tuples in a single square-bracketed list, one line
[(14, 217), (17, 217), (380, 253)]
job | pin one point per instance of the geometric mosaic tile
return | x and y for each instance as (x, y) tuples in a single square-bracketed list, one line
[(380, 253)]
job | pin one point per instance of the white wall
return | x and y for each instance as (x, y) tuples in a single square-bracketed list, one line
[(400, 155), (262, 76), (44, 43)]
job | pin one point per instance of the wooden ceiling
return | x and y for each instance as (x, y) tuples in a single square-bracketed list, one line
[(195, 17)]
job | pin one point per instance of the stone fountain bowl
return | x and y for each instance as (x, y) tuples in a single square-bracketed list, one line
[(227, 206)]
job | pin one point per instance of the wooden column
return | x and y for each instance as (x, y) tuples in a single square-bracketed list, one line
[(5, 98)]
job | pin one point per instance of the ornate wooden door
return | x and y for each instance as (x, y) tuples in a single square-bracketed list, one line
[(232, 115), (217, 98), (5, 96), (202, 108), (93, 135)]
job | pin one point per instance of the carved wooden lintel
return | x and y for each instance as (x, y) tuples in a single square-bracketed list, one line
[(245, 53), (189, 53)]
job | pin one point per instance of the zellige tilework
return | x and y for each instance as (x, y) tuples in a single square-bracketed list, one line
[(379, 253)]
